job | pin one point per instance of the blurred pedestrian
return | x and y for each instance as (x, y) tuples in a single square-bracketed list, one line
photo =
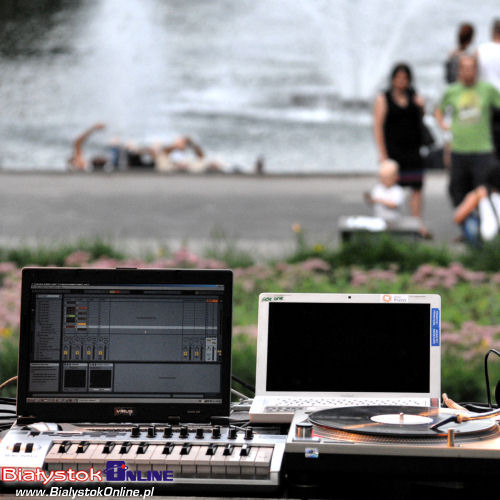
[(479, 212), (470, 103), (398, 130), (489, 70), (465, 37)]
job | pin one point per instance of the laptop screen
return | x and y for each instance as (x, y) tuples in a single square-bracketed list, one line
[(130, 344), (348, 347)]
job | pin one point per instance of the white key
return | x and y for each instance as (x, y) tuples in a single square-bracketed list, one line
[(84, 460), (158, 458), (233, 462), (218, 462), (53, 458), (263, 461), (174, 460), (68, 459), (248, 463), (142, 461), (99, 458), (203, 462), (188, 462)]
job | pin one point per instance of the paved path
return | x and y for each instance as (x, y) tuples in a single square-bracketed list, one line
[(143, 211)]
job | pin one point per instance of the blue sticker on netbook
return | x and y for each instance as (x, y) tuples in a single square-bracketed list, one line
[(435, 332)]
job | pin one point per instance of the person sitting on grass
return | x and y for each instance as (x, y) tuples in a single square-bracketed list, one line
[(479, 212), (387, 197)]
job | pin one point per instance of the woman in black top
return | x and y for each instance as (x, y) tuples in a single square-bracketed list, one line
[(398, 132)]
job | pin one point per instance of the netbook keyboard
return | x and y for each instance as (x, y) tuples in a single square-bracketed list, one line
[(287, 405)]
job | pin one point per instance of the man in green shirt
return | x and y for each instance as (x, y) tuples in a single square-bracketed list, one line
[(470, 103)]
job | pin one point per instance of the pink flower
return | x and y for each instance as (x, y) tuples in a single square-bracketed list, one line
[(315, 265), (77, 259)]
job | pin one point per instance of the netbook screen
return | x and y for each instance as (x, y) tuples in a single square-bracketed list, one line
[(333, 347), (127, 343)]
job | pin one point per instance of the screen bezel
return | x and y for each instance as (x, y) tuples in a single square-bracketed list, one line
[(433, 300), (106, 412)]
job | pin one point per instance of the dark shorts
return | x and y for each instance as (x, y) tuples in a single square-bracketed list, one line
[(468, 171), (413, 179), (411, 171)]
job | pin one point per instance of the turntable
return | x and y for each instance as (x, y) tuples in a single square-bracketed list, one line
[(362, 446)]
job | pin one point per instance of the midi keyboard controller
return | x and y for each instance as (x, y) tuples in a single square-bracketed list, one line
[(163, 455)]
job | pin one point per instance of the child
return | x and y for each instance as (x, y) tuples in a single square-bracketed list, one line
[(387, 197)]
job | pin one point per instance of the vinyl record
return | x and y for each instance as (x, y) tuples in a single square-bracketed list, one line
[(397, 421)]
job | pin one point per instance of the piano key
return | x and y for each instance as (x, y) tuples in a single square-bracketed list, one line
[(68, 459), (53, 458), (203, 462), (82, 446), (186, 448), (123, 451), (263, 461), (158, 457), (142, 459), (211, 449), (218, 462), (247, 463), (83, 460), (233, 462), (189, 461), (102, 454), (174, 460), (228, 450)]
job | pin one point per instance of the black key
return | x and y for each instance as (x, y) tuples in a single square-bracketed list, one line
[(16, 448), (108, 447), (125, 448), (82, 447), (186, 448), (168, 449), (142, 448), (245, 450), (211, 449), (228, 450), (28, 448), (64, 447)]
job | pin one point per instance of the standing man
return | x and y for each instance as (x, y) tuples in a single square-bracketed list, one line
[(489, 70), (470, 103)]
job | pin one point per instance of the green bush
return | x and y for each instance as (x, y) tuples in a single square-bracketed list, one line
[(244, 360), (377, 251), (483, 258), (56, 255)]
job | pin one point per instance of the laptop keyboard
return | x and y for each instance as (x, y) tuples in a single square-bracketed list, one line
[(289, 405)]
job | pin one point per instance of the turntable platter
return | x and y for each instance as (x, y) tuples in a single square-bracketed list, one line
[(396, 421)]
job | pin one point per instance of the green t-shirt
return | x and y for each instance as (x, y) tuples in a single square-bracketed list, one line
[(471, 124)]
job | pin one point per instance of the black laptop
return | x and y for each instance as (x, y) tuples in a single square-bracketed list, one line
[(124, 345)]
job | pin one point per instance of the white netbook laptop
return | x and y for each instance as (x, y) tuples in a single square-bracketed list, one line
[(317, 351)]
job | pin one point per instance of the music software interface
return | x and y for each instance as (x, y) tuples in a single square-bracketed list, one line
[(335, 347), (126, 343)]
